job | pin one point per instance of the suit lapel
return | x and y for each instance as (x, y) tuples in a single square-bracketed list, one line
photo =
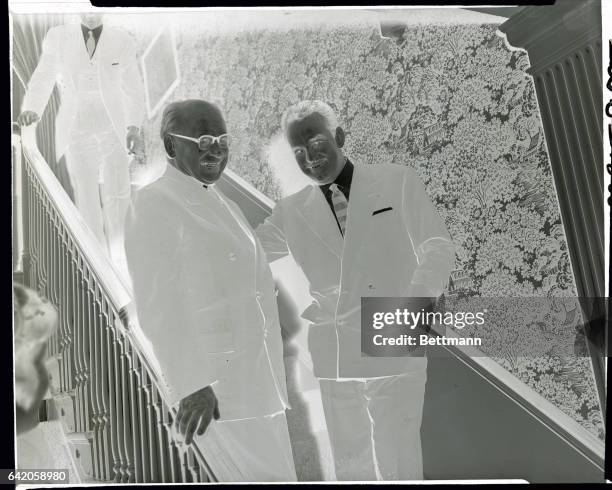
[(195, 200), (235, 213), (78, 44), (365, 195), (321, 221), (101, 46)]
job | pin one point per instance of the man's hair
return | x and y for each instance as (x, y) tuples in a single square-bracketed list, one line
[(305, 108), (176, 113)]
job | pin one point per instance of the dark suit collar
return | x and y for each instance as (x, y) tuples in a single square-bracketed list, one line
[(101, 41), (343, 180), (95, 31)]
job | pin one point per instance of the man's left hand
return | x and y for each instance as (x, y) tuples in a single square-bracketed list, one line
[(195, 413)]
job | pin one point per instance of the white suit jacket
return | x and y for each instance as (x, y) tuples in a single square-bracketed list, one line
[(205, 296), (402, 251), (64, 55)]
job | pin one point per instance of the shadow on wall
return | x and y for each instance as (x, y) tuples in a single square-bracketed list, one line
[(284, 167)]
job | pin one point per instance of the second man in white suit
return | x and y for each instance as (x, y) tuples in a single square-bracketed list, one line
[(102, 107), (359, 230)]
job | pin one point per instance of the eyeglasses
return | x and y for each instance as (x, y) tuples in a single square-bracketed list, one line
[(206, 141)]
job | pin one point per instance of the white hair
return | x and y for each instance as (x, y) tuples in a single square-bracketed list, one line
[(305, 108)]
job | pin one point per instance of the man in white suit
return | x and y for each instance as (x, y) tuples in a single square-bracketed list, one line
[(205, 300), (360, 230), (102, 107)]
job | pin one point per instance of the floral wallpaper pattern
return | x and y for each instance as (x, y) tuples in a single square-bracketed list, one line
[(451, 101)]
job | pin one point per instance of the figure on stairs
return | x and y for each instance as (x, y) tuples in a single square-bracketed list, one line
[(102, 106)]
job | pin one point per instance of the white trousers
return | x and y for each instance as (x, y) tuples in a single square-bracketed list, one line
[(249, 450), (374, 426), (98, 167)]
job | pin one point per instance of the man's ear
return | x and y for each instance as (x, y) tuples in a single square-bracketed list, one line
[(339, 137), (169, 147)]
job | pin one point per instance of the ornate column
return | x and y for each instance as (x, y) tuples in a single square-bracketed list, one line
[(563, 42)]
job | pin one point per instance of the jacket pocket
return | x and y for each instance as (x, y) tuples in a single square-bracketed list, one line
[(383, 210)]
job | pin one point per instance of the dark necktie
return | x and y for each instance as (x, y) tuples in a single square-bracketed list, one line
[(340, 206)]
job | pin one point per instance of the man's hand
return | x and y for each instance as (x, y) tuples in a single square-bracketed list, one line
[(27, 117), (196, 412), (134, 142)]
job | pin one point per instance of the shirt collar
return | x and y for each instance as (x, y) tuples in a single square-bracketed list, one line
[(344, 178), (175, 174)]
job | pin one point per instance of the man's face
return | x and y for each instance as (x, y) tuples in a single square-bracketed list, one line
[(204, 165), (316, 149), (91, 20)]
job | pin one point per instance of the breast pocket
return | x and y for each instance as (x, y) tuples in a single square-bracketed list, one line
[(112, 70), (382, 210), (385, 219)]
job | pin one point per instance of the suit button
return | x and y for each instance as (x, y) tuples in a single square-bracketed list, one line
[(341, 322), (336, 290), (232, 256), (371, 287), (258, 294)]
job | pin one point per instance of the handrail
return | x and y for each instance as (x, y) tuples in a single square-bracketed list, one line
[(254, 195), (83, 236), (529, 400), (79, 347), (88, 245), (17, 198)]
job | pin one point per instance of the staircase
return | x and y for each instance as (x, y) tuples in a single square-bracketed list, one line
[(111, 406)]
